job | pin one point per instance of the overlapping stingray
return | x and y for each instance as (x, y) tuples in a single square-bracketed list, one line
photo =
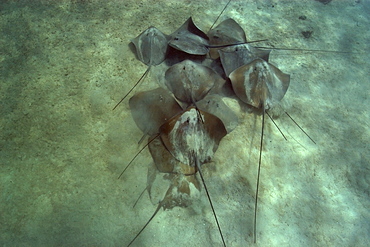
[(151, 48), (185, 141), (190, 81), (260, 84), (192, 136), (190, 39), (225, 33)]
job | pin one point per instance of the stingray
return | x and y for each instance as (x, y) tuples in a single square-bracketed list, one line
[(181, 189), (193, 137), (227, 32), (151, 48), (259, 84), (151, 109), (190, 39), (185, 142), (177, 180), (263, 86), (190, 81)]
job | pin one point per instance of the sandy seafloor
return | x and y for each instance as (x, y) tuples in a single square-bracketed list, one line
[(65, 64)]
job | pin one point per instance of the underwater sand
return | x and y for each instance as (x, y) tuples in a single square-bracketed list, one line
[(65, 64)]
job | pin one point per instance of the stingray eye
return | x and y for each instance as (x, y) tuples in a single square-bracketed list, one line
[(216, 37), (176, 39)]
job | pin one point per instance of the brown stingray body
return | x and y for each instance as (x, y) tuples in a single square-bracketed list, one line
[(179, 140), (180, 193), (186, 139), (181, 178), (151, 46), (190, 81), (190, 39), (227, 32), (151, 49), (192, 135), (259, 84)]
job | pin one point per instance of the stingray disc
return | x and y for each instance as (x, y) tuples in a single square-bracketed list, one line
[(225, 33), (151, 46), (259, 84), (190, 39), (190, 81), (192, 135)]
